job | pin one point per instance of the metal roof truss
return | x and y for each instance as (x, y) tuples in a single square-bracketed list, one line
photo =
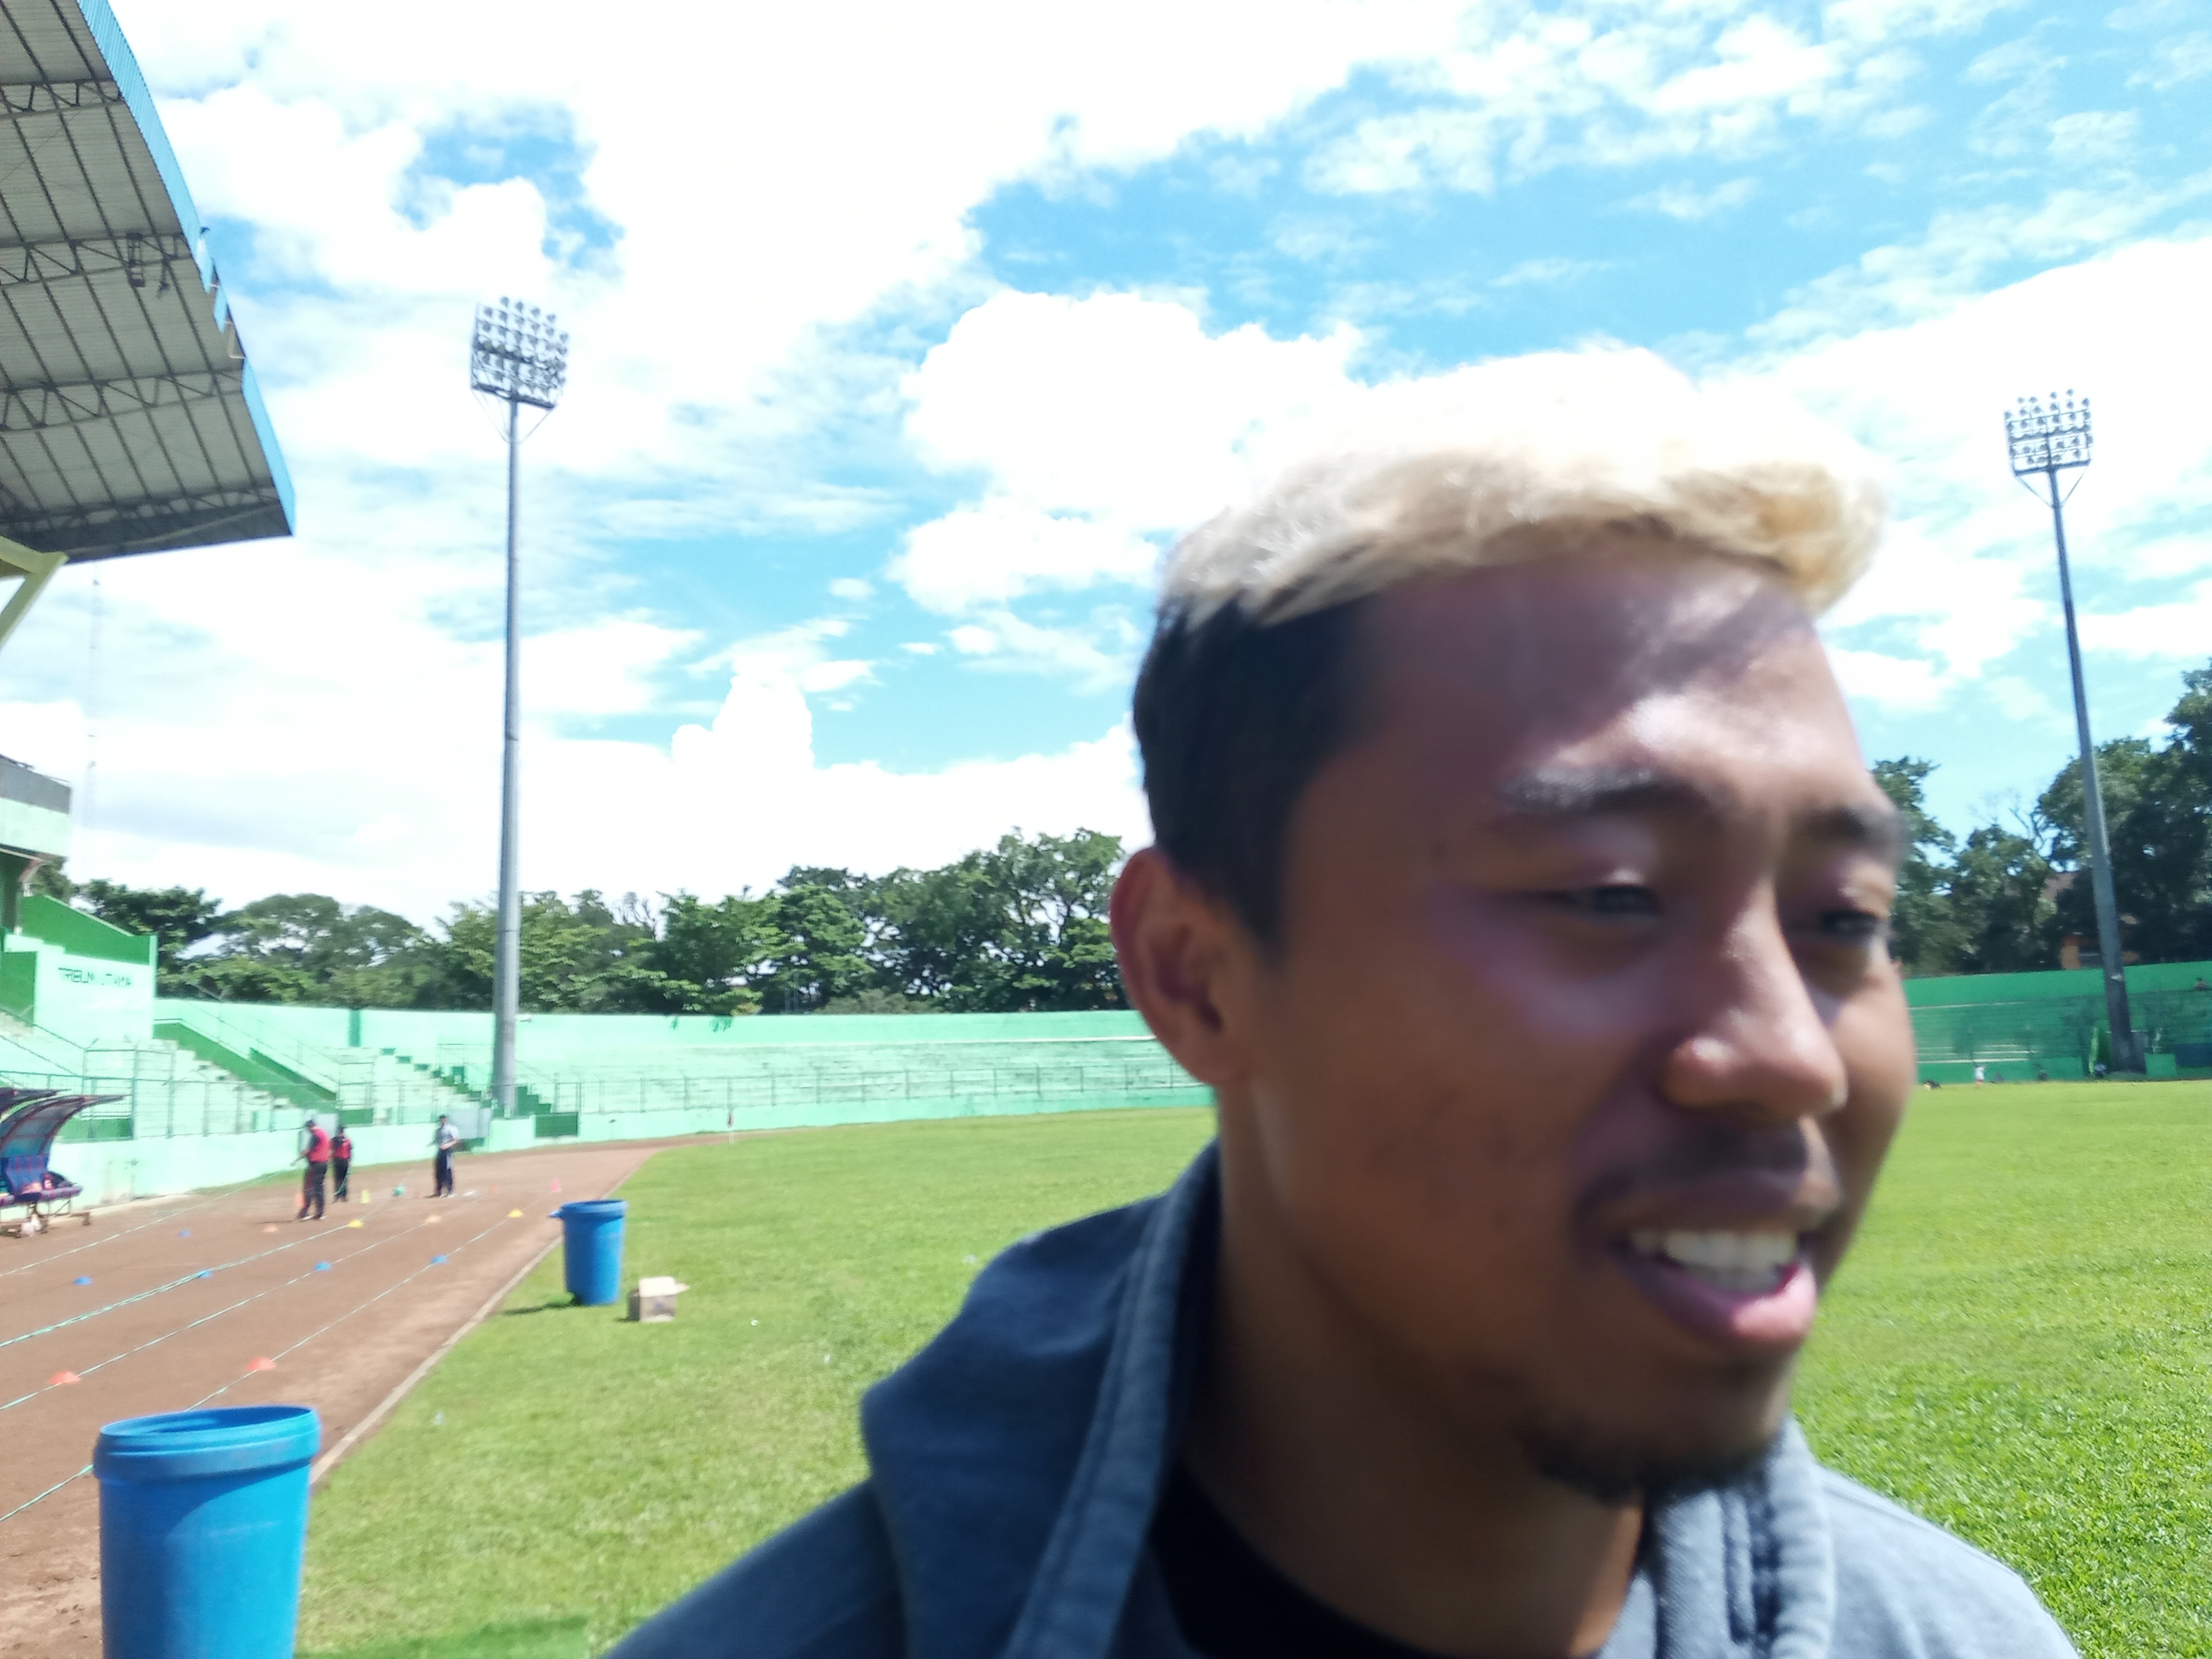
[(129, 419)]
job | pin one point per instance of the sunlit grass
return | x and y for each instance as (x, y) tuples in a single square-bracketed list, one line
[(2020, 1347), (588, 1467)]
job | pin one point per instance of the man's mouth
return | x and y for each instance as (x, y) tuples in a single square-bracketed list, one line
[(1745, 1288), (1734, 1263)]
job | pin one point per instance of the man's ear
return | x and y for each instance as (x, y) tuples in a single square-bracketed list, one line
[(1186, 966)]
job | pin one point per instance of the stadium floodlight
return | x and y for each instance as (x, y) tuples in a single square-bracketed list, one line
[(2047, 439), (519, 356)]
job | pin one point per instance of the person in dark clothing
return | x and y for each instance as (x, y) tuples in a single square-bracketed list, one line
[(445, 1141), (1521, 892), (315, 1148), (341, 1162)]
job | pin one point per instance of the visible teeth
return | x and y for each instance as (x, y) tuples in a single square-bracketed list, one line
[(1737, 1262)]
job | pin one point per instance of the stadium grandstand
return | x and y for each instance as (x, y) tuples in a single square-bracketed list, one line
[(130, 419), (130, 424)]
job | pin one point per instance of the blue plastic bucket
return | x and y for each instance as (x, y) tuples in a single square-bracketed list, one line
[(202, 1518), (592, 1245)]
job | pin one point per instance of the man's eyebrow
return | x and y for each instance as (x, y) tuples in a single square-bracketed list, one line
[(1871, 827), (1604, 792), (1875, 827)]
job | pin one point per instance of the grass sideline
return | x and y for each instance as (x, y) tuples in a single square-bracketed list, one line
[(2018, 1349), (562, 1462)]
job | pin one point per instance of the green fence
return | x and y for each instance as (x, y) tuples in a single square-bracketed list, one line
[(2018, 1027)]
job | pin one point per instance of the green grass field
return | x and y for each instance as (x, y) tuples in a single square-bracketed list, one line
[(2020, 1349)]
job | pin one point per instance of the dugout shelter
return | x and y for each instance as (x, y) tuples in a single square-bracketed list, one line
[(130, 420)]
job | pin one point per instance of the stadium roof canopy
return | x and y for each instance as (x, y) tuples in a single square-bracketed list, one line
[(130, 421)]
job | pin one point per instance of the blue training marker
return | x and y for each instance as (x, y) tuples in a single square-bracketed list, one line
[(81, 1279), (184, 1232), (204, 1272), (322, 1267), (435, 1260)]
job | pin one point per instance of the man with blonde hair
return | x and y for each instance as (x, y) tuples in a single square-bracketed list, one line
[(1520, 890)]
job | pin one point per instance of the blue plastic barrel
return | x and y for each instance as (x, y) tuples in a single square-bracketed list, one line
[(202, 1518), (591, 1242)]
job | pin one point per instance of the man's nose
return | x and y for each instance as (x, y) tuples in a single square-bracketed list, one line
[(1754, 1042)]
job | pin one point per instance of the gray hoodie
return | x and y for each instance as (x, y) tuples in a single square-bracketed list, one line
[(1015, 1463)]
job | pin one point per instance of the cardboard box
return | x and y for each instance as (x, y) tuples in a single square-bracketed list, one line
[(654, 1301)]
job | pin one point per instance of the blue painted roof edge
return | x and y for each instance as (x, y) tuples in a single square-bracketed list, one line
[(280, 473), (138, 99)]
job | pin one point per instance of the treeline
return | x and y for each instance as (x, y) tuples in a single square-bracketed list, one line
[(1021, 926), (2008, 896)]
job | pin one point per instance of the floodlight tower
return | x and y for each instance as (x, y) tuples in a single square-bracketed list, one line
[(2046, 440), (519, 357)]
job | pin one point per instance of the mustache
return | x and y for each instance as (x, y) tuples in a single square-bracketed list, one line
[(1716, 1150)]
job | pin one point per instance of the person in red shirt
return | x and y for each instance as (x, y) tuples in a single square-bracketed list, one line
[(341, 1161), (315, 1147)]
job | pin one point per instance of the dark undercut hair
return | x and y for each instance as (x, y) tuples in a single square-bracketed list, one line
[(1233, 717)]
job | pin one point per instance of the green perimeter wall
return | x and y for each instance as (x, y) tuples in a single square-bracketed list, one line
[(2014, 1023), (2018, 1025), (620, 1043)]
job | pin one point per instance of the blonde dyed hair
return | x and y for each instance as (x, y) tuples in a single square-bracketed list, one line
[(1524, 458)]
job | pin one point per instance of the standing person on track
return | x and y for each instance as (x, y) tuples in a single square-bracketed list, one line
[(447, 1140), (341, 1162), (1522, 895), (315, 1147)]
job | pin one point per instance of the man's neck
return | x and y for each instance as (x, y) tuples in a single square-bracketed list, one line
[(1359, 1489)]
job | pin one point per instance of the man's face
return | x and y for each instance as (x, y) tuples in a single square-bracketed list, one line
[(1582, 1046)]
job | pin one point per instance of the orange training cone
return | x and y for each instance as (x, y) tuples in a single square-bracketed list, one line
[(60, 1378)]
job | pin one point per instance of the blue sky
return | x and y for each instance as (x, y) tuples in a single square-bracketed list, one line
[(903, 345)]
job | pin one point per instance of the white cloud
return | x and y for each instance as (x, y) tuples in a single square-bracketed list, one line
[(1002, 549), (1527, 91), (599, 668), (1118, 407), (1954, 258), (395, 802), (2177, 630), (2183, 58), (853, 589), (1686, 203), (2094, 137), (1906, 683), (862, 816), (1098, 428), (1969, 574), (1548, 272)]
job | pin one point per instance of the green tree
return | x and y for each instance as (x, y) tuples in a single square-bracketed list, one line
[(178, 917), (1923, 934), (583, 956), (1055, 949), (818, 938), (308, 947), (709, 957), (937, 929), (2000, 899)]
